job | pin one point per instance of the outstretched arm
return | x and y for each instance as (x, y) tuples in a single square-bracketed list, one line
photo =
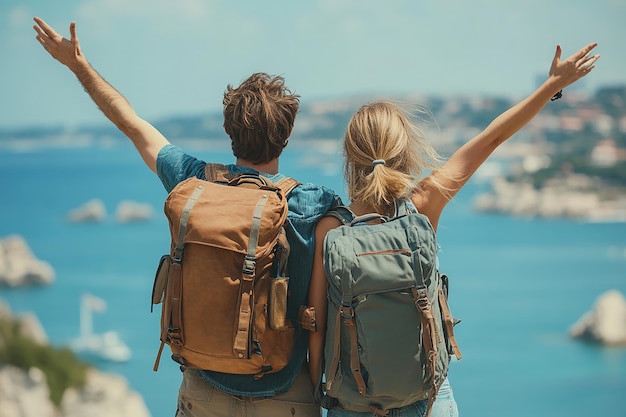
[(454, 174), (317, 298), (146, 138)]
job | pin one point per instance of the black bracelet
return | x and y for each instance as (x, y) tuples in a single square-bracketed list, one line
[(557, 96)]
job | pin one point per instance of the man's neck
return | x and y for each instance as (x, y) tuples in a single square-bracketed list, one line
[(270, 167)]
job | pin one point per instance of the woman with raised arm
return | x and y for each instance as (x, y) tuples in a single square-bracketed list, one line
[(385, 154)]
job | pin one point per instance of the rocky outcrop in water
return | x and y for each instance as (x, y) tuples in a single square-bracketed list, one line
[(132, 211), (19, 267), (605, 323), (93, 211)]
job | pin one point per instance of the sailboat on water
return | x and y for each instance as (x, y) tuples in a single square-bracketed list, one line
[(105, 346)]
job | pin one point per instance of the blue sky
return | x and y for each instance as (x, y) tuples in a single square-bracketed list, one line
[(176, 57)]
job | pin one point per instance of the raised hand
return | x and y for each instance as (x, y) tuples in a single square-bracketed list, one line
[(66, 51), (574, 67)]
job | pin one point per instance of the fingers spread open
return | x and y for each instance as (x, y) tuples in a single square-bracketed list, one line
[(41, 37), (51, 33), (44, 30), (585, 51), (589, 63)]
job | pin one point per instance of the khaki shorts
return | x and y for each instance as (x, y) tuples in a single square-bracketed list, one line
[(196, 398)]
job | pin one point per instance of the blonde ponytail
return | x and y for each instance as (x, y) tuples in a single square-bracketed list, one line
[(384, 155)]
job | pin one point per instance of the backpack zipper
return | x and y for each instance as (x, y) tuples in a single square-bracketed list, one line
[(406, 252)]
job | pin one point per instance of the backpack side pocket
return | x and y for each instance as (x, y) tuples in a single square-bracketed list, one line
[(160, 281), (448, 321), (278, 303)]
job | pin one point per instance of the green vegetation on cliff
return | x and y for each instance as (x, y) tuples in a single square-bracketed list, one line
[(61, 367)]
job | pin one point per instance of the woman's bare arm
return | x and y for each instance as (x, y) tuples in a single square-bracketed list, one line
[(317, 297), (438, 188)]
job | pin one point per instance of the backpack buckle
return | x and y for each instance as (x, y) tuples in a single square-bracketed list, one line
[(175, 336), (420, 296), (249, 265), (347, 312), (178, 256)]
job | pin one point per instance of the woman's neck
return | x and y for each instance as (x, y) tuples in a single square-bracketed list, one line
[(360, 207)]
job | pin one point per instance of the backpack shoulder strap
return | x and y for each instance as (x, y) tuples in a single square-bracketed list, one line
[(341, 213), (221, 173), (287, 185), (404, 207), (347, 217), (217, 173)]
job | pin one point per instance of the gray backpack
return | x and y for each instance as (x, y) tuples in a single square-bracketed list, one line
[(389, 330)]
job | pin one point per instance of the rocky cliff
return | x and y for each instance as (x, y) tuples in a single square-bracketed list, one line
[(20, 267), (26, 393)]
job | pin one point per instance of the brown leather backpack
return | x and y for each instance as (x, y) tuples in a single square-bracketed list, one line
[(223, 284)]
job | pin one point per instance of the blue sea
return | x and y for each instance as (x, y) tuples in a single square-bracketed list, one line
[(517, 284)]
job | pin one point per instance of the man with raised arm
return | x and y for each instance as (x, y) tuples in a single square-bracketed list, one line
[(258, 116)]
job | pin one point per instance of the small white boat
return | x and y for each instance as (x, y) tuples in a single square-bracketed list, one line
[(105, 346)]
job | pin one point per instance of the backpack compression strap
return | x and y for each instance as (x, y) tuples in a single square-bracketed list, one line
[(347, 312), (430, 337), (174, 332), (346, 216)]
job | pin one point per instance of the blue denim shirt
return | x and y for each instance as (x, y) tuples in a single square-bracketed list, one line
[(307, 204)]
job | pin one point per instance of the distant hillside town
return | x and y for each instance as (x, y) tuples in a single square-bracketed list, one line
[(570, 161)]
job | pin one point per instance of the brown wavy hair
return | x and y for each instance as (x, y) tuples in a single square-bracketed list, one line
[(259, 117)]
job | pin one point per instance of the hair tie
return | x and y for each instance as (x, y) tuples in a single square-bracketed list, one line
[(378, 162)]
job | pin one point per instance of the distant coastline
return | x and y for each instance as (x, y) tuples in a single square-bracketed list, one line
[(558, 199), (569, 162)]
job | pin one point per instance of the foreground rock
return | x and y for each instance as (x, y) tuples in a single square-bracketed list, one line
[(25, 393), (19, 267), (104, 395), (605, 323)]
